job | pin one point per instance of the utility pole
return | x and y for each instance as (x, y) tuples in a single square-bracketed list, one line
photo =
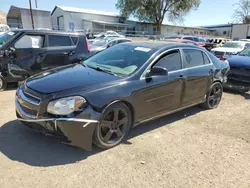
[(36, 3), (31, 15)]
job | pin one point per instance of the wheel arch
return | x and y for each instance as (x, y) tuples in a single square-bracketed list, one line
[(128, 104)]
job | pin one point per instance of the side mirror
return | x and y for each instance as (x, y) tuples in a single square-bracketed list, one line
[(157, 71)]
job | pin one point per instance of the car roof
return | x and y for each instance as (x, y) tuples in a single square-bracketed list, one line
[(178, 40), (45, 31)]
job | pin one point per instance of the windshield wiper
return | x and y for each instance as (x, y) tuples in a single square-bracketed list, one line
[(103, 70)]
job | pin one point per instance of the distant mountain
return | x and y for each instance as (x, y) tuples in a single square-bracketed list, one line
[(2, 17)]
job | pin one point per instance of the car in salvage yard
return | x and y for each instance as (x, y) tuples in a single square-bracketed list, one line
[(100, 45), (27, 52), (239, 75), (99, 100), (230, 49)]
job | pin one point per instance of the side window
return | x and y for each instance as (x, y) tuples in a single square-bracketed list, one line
[(55, 40), (205, 58), (121, 41), (171, 61), (192, 58), (75, 40), (30, 41)]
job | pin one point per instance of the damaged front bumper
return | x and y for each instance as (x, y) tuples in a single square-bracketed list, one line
[(236, 86), (77, 131)]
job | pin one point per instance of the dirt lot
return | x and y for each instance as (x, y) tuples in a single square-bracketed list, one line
[(192, 148)]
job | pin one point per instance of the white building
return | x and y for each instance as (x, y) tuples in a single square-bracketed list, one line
[(223, 30), (69, 18), (19, 17)]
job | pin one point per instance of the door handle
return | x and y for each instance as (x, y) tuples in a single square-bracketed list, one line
[(181, 77)]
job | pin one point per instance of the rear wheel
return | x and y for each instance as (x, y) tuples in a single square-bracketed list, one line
[(113, 127), (213, 97), (3, 83)]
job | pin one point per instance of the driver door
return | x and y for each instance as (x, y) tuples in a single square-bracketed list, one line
[(161, 94), (25, 53)]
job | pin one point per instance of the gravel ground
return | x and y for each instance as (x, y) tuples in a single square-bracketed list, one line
[(192, 148)]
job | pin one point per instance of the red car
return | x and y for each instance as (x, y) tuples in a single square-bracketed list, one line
[(186, 41)]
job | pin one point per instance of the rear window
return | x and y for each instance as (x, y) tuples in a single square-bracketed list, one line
[(55, 40), (75, 40)]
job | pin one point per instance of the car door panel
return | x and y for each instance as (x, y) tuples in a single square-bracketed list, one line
[(161, 94), (158, 95), (197, 80)]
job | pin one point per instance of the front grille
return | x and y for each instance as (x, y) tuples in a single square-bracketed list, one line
[(29, 111), (27, 104), (239, 74), (216, 53)]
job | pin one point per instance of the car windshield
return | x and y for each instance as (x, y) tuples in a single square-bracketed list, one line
[(233, 45), (123, 60), (5, 37), (245, 52)]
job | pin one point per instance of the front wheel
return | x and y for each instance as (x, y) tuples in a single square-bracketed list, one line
[(113, 127), (213, 96), (3, 83)]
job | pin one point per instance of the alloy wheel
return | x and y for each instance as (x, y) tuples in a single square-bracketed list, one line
[(1, 83), (113, 126), (215, 96)]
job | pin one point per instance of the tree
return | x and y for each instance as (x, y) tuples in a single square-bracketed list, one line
[(156, 10), (242, 12)]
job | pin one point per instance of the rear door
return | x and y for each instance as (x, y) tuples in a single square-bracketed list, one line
[(197, 70), (58, 52)]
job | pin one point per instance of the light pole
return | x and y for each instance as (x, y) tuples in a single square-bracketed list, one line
[(31, 15)]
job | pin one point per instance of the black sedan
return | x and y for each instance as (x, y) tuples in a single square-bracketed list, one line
[(100, 100)]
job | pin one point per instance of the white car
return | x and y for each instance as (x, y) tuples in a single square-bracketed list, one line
[(230, 48), (4, 28), (107, 34)]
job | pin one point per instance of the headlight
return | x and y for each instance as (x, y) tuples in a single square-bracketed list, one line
[(226, 61), (66, 106)]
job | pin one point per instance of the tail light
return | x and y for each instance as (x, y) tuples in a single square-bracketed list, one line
[(87, 42)]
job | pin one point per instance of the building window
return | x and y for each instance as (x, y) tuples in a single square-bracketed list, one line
[(224, 32), (201, 33)]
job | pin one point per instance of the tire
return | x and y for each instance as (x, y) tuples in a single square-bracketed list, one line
[(213, 96), (3, 83), (111, 131)]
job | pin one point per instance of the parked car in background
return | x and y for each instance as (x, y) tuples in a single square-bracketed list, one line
[(190, 38), (181, 41), (229, 49), (107, 34), (27, 52), (4, 28), (100, 45), (215, 43), (100, 100), (246, 40), (239, 75)]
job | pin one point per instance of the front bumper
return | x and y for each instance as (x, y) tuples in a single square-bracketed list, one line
[(77, 131), (236, 86)]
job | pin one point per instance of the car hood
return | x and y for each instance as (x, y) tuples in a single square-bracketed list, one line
[(223, 49), (240, 61), (65, 78)]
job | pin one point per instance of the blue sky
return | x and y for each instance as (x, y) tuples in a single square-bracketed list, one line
[(210, 12)]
